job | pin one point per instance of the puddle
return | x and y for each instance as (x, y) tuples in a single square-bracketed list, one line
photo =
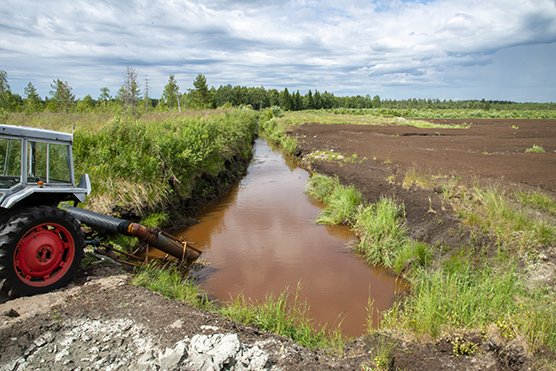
[(260, 237)]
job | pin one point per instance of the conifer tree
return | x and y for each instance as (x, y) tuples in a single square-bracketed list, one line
[(62, 94), (32, 99), (170, 95)]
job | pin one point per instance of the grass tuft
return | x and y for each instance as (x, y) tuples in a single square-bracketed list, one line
[(171, 283), (381, 232), (285, 315), (493, 211), (321, 186), (341, 206), (537, 200)]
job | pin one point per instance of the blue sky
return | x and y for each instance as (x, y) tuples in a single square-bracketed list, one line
[(447, 49)]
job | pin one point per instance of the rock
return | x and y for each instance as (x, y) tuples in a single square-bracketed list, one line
[(207, 327), (173, 357), (146, 362), (12, 313), (225, 350), (63, 353), (254, 359)]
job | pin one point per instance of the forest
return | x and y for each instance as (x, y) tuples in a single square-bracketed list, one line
[(134, 96)]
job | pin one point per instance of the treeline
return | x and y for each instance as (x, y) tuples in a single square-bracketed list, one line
[(130, 97)]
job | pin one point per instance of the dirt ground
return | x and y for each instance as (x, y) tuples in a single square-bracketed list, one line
[(102, 322), (489, 151)]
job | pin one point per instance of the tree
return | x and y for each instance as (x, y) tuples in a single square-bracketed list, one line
[(286, 101), (298, 102), (32, 99), (130, 92), (317, 100), (104, 94), (62, 94), (87, 104), (309, 102), (171, 92), (200, 97), (376, 101), (4, 89)]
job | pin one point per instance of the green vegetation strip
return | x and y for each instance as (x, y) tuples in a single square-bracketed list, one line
[(380, 228), (144, 164), (285, 315), (456, 294)]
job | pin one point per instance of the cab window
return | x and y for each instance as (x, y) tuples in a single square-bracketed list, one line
[(10, 162)]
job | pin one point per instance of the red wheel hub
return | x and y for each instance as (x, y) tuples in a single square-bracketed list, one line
[(44, 254)]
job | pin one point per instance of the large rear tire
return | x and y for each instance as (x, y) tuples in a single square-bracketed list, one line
[(40, 250)]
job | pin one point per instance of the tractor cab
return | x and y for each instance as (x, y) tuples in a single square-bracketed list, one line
[(38, 163)]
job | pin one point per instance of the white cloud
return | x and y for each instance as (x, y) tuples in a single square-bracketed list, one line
[(347, 47)]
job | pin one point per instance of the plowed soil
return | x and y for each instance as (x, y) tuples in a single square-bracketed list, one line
[(488, 152)]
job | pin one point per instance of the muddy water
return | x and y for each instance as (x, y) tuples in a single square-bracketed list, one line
[(261, 238)]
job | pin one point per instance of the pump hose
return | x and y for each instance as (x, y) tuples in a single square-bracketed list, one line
[(155, 238)]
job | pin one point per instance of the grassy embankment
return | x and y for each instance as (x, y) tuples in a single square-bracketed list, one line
[(459, 294), (141, 167)]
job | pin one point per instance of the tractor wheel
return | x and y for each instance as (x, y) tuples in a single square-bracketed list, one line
[(40, 250)]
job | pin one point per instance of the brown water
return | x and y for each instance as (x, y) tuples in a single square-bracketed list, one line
[(261, 237)]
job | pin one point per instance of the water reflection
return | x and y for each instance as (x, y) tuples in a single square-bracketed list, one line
[(261, 238)]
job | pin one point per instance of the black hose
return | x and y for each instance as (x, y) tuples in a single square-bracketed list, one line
[(153, 237), (98, 220)]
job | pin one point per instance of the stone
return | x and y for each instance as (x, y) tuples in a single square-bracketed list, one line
[(173, 357)]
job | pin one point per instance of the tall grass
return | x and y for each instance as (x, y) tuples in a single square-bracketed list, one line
[(380, 227), (537, 200), (171, 283), (460, 297), (515, 228), (285, 315), (381, 231), (142, 163), (275, 131), (446, 300)]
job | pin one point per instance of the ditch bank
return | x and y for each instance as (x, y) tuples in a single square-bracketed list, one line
[(376, 159), (101, 321)]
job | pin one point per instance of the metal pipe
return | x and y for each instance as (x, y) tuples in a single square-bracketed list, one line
[(162, 241)]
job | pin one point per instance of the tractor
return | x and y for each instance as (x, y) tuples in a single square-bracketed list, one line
[(41, 240)]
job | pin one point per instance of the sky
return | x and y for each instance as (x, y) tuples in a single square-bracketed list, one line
[(445, 49)]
